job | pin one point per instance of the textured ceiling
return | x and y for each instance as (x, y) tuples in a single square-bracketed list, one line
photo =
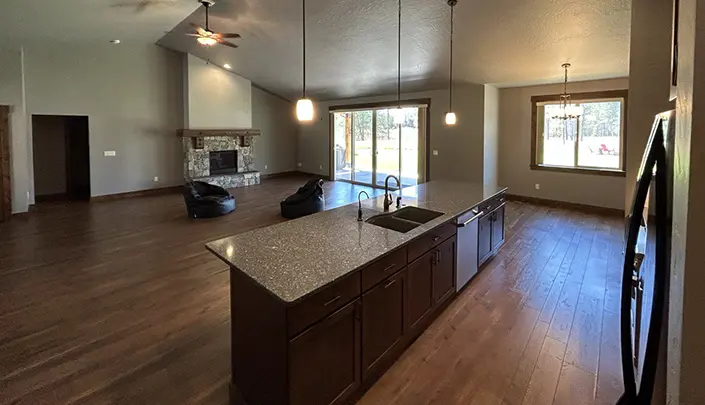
[(351, 44), (88, 21)]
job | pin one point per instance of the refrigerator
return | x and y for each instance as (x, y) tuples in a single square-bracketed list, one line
[(644, 293)]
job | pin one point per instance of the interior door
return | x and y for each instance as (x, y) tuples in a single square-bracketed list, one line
[(5, 185)]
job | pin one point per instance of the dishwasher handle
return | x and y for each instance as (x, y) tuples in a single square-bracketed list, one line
[(464, 224)]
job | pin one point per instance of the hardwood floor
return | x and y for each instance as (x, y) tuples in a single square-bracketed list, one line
[(119, 302)]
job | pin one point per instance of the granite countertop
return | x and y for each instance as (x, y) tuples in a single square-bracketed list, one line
[(296, 258)]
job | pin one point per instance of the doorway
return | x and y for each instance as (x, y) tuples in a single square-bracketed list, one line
[(368, 145), (61, 158), (5, 185)]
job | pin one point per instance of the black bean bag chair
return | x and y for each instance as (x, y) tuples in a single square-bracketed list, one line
[(308, 200), (205, 200)]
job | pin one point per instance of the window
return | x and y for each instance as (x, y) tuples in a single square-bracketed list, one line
[(592, 143)]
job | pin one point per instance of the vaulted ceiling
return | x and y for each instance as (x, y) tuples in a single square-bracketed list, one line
[(352, 44)]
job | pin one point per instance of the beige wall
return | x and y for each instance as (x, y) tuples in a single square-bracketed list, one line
[(515, 151), (214, 97), (649, 78), (49, 151), (491, 141), (276, 147), (460, 147), (686, 340)]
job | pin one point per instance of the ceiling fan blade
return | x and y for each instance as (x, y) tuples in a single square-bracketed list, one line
[(199, 29), (229, 35), (226, 43), (193, 35)]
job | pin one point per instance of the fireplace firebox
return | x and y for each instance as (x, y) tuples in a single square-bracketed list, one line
[(223, 162)]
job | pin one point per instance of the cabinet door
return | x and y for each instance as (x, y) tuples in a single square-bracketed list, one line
[(324, 361), (498, 228), (444, 271), (484, 238), (419, 281), (382, 321)]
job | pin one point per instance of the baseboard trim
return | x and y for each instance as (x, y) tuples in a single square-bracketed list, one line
[(51, 197), (320, 176), (278, 175), (563, 204), (138, 193)]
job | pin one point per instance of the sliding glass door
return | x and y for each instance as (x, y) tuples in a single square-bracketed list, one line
[(368, 146)]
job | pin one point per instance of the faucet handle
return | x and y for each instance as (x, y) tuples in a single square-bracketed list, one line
[(399, 202)]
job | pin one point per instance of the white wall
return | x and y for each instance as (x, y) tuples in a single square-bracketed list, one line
[(276, 147), (133, 98), (491, 141), (49, 154), (515, 151), (12, 94), (215, 98), (460, 147)]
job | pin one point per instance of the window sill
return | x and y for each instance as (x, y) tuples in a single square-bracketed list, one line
[(581, 170)]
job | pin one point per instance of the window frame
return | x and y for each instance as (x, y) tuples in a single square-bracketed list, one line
[(595, 96)]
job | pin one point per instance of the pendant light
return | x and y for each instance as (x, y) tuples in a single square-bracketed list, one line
[(304, 107), (398, 113), (450, 118), (568, 109)]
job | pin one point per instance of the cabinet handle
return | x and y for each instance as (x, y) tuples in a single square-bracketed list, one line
[(391, 266), (436, 238), (331, 301), (439, 256), (389, 284)]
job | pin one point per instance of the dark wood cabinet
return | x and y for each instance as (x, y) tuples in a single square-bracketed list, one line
[(324, 361), (444, 271), (484, 238), (420, 289), (498, 228), (383, 323)]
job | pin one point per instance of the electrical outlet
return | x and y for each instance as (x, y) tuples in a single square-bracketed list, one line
[(538, 186), (435, 152), (109, 153), (156, 179), (265, 167), (320, 167), (299, 164)]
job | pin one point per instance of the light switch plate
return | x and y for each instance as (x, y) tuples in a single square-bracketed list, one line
[(435, 152), (109, 153), (538, 186), (299, 164)]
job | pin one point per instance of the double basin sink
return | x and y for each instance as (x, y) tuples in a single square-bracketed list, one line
[(405, 219)]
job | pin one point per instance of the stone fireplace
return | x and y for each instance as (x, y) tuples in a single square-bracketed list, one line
[(220, 157)]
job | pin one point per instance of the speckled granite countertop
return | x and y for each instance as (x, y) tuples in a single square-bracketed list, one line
[(296, 258)]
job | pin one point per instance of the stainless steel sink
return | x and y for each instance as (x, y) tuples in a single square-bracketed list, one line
[(389, 222), (415, 214)]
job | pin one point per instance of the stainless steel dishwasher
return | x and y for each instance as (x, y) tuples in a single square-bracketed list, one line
[(466, 252)]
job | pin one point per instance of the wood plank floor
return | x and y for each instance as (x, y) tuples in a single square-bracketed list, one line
[(119, 303)]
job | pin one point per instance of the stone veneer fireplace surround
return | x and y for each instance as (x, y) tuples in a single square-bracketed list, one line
[(197, 161)]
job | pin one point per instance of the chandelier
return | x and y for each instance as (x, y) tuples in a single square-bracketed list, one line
[(568, 110)]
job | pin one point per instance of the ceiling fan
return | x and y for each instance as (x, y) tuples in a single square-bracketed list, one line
[(206, 37)]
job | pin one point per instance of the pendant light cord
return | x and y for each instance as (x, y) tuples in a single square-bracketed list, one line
[(399, 58), (303, 18), (450, 81)]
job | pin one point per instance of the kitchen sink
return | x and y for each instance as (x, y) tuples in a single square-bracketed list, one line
[(390, 222), (415, 214)]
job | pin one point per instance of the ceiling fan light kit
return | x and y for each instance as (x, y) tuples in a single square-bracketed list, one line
[(450, 118), (304, 107), (208, 38)]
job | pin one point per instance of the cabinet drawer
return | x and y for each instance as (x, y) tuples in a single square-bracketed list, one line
[(383, 268), (322, 303), (430, 240)]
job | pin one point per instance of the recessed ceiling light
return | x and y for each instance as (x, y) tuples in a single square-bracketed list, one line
[(115, 41), (227, 66)]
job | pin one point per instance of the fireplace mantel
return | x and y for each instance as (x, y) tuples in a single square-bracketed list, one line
[(196, 133)]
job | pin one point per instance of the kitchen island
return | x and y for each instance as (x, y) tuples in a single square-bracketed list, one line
[(321, 306)]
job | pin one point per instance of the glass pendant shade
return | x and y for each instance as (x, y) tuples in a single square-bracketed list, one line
[(397, 116), (451, 119), (304, 110), (574, 110)]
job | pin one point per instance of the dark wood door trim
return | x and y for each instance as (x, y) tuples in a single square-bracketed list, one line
[(5, 180)]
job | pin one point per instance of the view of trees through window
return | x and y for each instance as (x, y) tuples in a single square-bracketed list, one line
[(592, 140)]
